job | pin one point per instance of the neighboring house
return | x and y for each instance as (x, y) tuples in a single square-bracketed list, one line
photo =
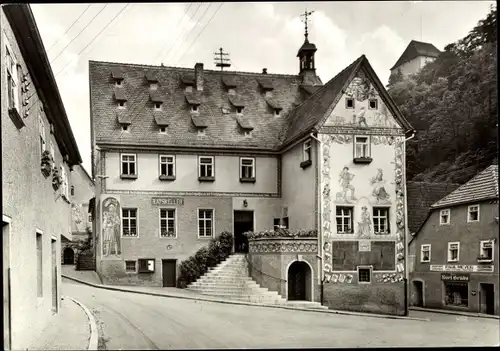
[(38, 151), (457, 249), (421, 195), (416, 55), (180, 155), (82, 190)]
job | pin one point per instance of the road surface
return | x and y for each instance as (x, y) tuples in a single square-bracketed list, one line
[(135, 321)]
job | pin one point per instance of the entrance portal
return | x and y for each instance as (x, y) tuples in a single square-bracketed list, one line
[(487, 298), (418, 293), (243, 222), (68, 256), (299, 281)]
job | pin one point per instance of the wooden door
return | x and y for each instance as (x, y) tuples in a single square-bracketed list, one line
[(297, 281), (169, 268)]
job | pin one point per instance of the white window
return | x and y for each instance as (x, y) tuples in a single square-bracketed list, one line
[(473, 213), (349, 102), (130, 266), (364, 274), (247, 167), (373, 104), (307, 151), (425, 253), (362, 149), (128, 164), (344, 220), (12, 81), (444, 216), (167, 223), (206, 166), (41, 132), (129, 221), (453, 252), (167, 165), (381, 220), (486, 250), (157, 106), (205, 223)]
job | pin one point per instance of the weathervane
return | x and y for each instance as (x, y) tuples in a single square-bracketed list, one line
[(305, 19)]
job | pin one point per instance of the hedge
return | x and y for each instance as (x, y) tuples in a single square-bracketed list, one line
[(195, 266), (282, 233)]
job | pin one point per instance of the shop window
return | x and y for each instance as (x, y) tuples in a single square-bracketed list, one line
[(381, 220), (473, 213), (444, 217), (130, 266), (425, 253), (453, 251), (129, 220), (344, 220), (456, 294), (167, 223)]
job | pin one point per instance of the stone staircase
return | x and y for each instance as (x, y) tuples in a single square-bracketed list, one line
[(230, 280)]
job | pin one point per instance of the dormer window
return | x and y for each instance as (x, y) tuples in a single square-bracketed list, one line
[(121, 104), (117, 75), (125, 128), (373, 104), (277, 112), (247, 133), (189, 89), (349, 102), (194, 108), (158, 106), (163, 130), (201, 132), (231, 91), (239, 110), (153, 86), (118, 83)]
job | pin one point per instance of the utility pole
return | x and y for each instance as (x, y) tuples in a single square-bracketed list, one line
[(221, 61), (305, 20)]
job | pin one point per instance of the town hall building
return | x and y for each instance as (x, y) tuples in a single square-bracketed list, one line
[(180, 155)]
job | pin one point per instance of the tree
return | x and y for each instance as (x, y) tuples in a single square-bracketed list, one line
[(395, 78)]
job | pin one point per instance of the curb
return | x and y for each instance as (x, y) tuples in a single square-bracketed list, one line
[(468, 314), (234, 302), (92, 322)]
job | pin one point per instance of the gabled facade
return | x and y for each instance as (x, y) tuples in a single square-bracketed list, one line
[(456, 249), (197, 152), (38, 153), (416, 55)]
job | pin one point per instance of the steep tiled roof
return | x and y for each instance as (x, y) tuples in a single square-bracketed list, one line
[(151, 76), (420, 197), (229, 81), (275, 105), (200, 121), (244, 122), (266, 84), (236, 101), (116, 73), (188, 79), (120, 95), (158, 96), (123, 117), (310, 89), (161, 118), (193, 98), (416, 49), (483, 186)]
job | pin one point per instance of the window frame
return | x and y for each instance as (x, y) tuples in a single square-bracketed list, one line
[(481, 243), (376, 104), (205, 164), (239, 110), (65, 183), (252, 175), (39, 261), (422, 246), (449, 259), (157, 106), (351, 217), (129, 219), (135, 266), (121, 105), (129, 175), (166, 163), (370, 269), (41, 134), (368, 146), (307, 150), (164, 131), (441, 212), (469, 212), (12, 71), (198, 222), (160, 218), (125, 128), (378, 217), (347, 104)]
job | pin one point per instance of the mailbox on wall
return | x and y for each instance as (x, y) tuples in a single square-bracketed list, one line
[(146, 265)]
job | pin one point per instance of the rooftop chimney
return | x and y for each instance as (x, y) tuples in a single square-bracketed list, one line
[(198, 76), (264, 71)]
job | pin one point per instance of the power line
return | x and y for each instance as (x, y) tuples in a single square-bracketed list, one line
[(72, 40), (194, 14), (95, 37), (67, 30), (185, 13), (210, 20)]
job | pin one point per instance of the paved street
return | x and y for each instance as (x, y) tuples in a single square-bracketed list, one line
[(134, 321)]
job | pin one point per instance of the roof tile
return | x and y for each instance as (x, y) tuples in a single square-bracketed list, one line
[(188, 79), (274, 104), (266, 84), (123, 117), (199, 121), (229, 81), (116, 73), (236, 101), (157, 96), (151, 76), (244, 122), (120, 95), (193, 98)]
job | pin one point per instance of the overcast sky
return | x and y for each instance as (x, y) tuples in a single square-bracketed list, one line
[(256, 35)]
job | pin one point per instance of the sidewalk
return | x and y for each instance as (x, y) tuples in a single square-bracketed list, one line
[(191, 295), (68, 330), (469, 314)]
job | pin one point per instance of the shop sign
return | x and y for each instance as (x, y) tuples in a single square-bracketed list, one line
[(167, 201), (451, 277), (364, 245), (460, 268)]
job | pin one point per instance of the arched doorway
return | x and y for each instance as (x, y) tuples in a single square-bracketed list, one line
[(299, 281), (68, 256), (418, 293)]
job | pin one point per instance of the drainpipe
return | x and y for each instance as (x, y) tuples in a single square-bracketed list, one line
[(320, 236), (406, 224)]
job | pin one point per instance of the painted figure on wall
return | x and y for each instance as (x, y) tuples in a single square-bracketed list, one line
[(378, 184), (364, 227), (111, 227), (345, 183), (78, 218), (360, 118)]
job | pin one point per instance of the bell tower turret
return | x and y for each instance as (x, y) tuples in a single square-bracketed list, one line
[(307, 70)]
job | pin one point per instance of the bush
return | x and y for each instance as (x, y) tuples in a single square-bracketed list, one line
[(282, 233), (195, 266)]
